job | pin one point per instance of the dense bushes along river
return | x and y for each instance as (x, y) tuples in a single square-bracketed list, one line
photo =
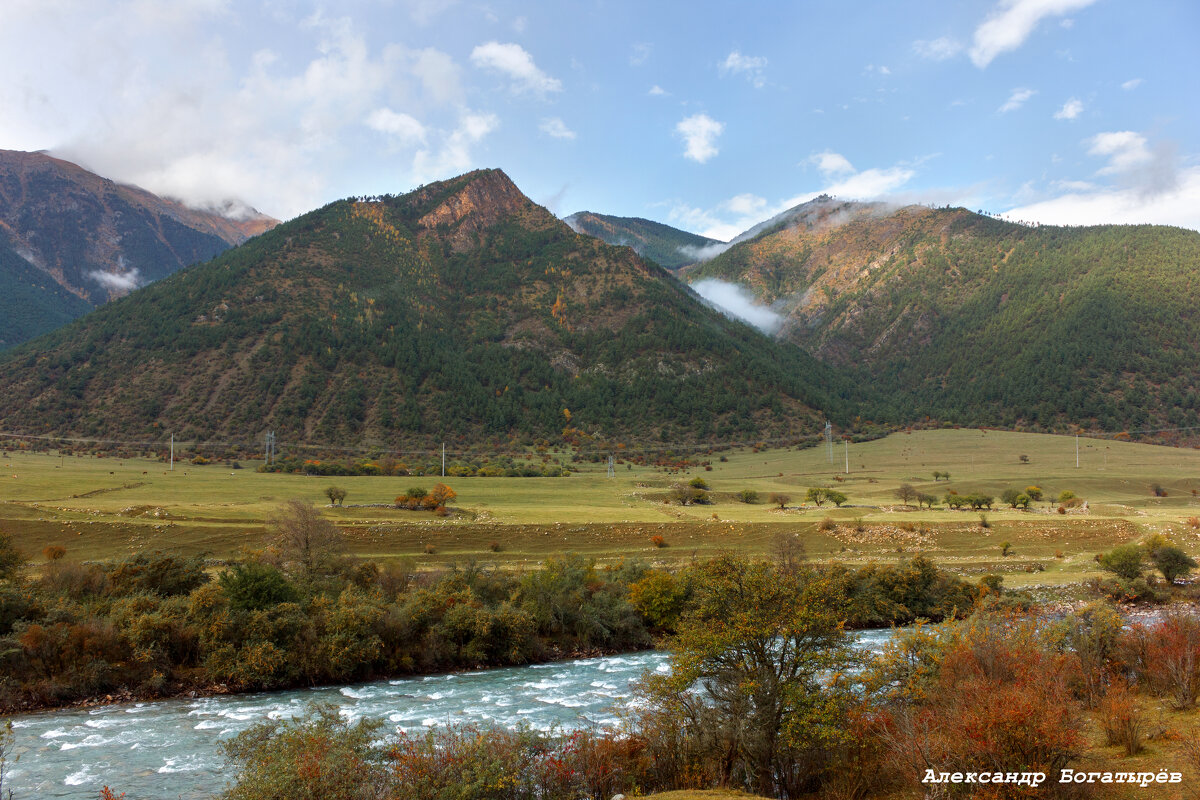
[(300, 614)]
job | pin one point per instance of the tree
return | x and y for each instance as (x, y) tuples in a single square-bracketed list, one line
[(748, 496), (835, 497), (780, 500), (1010, 496), (1172, 562), (926, 499), (817, 494), (750, 674), (1034, 492), (335, 494), (304, 537), (1024, 459), (905, 493), (441, 495), (1125, 560)]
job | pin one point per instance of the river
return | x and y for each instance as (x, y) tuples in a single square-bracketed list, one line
[(169, 749)]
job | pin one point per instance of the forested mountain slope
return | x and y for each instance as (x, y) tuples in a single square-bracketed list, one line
[(459, 312), (666, 246), (966, 318)]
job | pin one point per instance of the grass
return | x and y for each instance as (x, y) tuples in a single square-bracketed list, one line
[(100, 508)]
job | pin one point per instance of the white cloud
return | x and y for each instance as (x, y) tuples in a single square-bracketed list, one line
[(871, 183), (734, 216), (403, 129), (147, 93), (1131, 84), (1070, 110), (1016, 100), (639, 54), (440, 77), (831, 163), (454, 154), (735, 301), (515, 62), (751, 66), (657, 91), (553, 126), (1125, 150), (117, 282), (699, 133), (1179, 205), (939, 49), (1012, 22)]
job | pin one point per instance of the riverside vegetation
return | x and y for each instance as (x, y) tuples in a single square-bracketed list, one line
[(299, 613), (763, 694)]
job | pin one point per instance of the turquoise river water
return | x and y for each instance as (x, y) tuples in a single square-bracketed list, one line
[(169, 749)]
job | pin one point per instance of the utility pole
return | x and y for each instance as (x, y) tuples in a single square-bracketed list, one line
[(829, 438), (612, 470), (1077, 451), (443, 459), (172, 452), (847, 443)]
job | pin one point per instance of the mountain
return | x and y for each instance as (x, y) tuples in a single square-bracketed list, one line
[(460, 312), (71, 240), (666, 246), (966, 318)]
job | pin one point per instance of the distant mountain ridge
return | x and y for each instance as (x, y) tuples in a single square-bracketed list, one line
[(71, 240), (666, 246), (961, 317), (460, 312)]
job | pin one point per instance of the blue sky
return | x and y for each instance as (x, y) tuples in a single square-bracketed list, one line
[(707, 116)]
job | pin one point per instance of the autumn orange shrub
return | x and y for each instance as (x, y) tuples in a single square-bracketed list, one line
[(994, 697)]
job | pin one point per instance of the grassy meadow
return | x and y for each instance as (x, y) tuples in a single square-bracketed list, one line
[(104, 507)]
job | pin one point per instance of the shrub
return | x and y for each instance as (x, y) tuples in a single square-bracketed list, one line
[(1193, 522), (658, 541), (430, 549), (660, 598), (1124, 560), (984, 523), (1167, 656), (827, 524), (1172, 562), (748, 496), (11, 559), (252, 585), (1122, 718), (284, 759), (157, 573), (54, 552), (494, 546), (1005, 549), (336, 494), (1034, 492), (1159, 490), (698, 483)]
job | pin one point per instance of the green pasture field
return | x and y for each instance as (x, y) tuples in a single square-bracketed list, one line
[(107, 507)]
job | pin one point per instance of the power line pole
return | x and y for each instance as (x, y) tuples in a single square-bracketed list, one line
[(443, 459), (612, 470), (1077, 451), (172, 452), (829, 439), (847, 443)]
